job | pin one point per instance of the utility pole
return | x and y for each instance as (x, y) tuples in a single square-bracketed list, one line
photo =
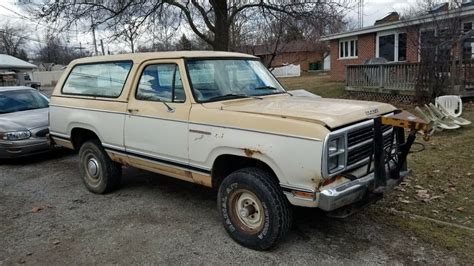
[(102, 46), (360, 13), (94, 41)]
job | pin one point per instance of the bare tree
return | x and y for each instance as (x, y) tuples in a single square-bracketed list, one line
[(54, 50), (276, 33), (438, 44), (162, 29), (13, 40), (130, 30), (211, 21)]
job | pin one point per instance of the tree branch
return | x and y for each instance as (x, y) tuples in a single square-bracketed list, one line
[(189, 18), (204, 15)]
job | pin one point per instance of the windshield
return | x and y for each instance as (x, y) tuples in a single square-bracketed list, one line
[(21, 100), (224, 79)]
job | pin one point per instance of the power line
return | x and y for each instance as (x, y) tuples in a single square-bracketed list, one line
[(32, 39), (34, 21), (21, 16)]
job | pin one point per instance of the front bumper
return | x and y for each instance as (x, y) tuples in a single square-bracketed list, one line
[(344, 194), (20, 148), (351, 192)]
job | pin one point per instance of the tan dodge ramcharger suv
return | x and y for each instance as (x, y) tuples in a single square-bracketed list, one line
[(222, 120)]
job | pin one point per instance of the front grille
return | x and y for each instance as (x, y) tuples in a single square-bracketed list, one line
[(360, 144)]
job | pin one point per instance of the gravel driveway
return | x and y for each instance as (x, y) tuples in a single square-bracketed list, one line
[(48, 217)]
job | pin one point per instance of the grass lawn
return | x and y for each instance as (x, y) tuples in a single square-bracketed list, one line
[(317, 84), (435, 203)]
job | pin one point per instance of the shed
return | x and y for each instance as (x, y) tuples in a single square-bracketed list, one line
[(14, 71)]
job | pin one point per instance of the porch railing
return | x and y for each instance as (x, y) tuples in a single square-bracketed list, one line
[(398, 77), (402, 77)]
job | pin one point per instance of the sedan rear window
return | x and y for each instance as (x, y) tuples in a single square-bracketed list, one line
[(101, 79), (21, 100)]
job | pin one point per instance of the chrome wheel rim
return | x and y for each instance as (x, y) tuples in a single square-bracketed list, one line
[(93, 168)]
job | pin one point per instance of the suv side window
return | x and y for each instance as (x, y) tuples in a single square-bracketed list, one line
[(101, 79), (161, 82)]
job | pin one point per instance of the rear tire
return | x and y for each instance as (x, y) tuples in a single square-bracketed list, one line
[(254, 211), (98, 172)]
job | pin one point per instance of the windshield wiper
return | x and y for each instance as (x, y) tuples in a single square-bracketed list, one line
[(271, 88), (266, 88), (228, 97)]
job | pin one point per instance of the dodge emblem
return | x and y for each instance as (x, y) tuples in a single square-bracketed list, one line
[(372, 111)]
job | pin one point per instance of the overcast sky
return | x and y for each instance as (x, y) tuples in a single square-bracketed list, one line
[(376, 9), (373, 10)]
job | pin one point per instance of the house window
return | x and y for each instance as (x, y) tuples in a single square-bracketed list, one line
[(444, 39), (467, 26), (428, 45), (392, 47), (318, 65), (468, 45), (402, 47), (435, 44), (387, 47), (468, 49), (348, 49)]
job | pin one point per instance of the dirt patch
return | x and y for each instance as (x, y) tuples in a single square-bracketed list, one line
[(156, 219)]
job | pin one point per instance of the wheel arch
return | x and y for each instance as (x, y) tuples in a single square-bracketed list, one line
[(224, 164), (80, 134)]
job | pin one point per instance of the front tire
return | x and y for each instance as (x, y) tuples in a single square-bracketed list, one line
[(255, 212), (99, 173)]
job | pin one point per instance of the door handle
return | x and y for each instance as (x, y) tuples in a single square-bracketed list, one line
[(132, 110)]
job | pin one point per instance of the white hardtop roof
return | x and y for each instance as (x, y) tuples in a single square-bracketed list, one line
[(10, 62), (139, 57)]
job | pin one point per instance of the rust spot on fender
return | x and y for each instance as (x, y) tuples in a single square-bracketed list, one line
[(123, 162), (204, 180), (318, 182), (250, 152), (188, 174), (118, 158)]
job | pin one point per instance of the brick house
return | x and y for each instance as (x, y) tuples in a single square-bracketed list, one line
[(308, 55), (398, 41)]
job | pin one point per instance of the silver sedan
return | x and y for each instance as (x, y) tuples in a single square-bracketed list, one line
[(23, 122)]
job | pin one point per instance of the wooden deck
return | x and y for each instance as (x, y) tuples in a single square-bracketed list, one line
[(401, 78)]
